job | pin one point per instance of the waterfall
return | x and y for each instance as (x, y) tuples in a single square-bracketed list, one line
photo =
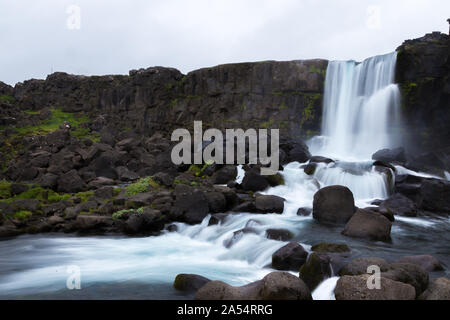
[(361, 108)]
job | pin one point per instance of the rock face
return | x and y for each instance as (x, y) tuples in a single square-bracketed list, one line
[(422, 72), (368, 224), (390, 155), (333, 204), (408, 273), (290, 257), (355, 288), (274, 286)]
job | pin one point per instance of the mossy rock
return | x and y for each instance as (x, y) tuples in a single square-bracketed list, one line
[(330, 247), (275, 180), (315, 270)]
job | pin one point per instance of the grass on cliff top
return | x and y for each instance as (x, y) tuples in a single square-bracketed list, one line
[(7, 99), (57, 117)]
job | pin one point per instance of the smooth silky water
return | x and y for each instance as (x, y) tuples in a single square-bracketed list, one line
[(360, 116)]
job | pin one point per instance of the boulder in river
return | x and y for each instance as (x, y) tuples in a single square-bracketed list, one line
[(356, 288), (189, 282), (334, 204), (396, 155), (359, 266), (439, 289), (315, 270), (279, 234), (427, 262), (290, 257), (369, 225), (400, 205), (274, 286), (408, 273), (254, 181), (269, 204)]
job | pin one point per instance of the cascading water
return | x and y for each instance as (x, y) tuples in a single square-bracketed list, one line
[(361, 105), (361, 108)]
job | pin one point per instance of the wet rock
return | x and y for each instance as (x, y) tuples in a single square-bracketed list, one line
[(310, 169), (359, 266), (304, 212), (390, 155), (146, 222), (334, 204), (315, 270), (216, 202), (435, 195), (330, 247), (427, 262), (439, 289), (163, 178), (254, 181), (319, 159), (224, 175), (237, 235), (279, 234), (217, 218), (92, 223), (356, 288), (399, 205), (408, 273), (191, 206), (189, 282), (274, 286), (369, 225), (275, 180), (290, 257), (269, 204)]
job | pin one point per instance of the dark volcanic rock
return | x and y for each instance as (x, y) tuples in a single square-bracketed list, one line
[(408, 273), (427, 262), (390, 155), (279, 234), (254, 181), (333, 204), (191, 206), (290, 257), (189, 282), (439, 289), (274, 286), (399, 205), (359, 266), (269, 204), (315, 270), (355, 288), (368, 224)]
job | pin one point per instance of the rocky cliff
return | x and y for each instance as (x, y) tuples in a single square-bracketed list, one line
[(423, 70)]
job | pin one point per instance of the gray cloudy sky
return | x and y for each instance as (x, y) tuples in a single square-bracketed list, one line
[(118, 35)]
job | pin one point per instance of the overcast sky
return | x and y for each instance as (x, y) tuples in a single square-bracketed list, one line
[(114, 36)]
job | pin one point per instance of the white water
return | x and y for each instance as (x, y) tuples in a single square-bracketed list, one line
[(361, 107)]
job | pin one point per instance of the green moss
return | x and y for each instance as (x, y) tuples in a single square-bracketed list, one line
[(84, 196), (308, 113), (266, 124), (119, 214), (314, 69), (22, 215), (330, 247), (32, 112), (5, 189), (140, 186), (57, 117), (7, 99), (177, 181), (283, 106), (54, 197), (173, 103), (81, 133)]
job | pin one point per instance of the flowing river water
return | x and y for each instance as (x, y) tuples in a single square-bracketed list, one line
[(360, 109)]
